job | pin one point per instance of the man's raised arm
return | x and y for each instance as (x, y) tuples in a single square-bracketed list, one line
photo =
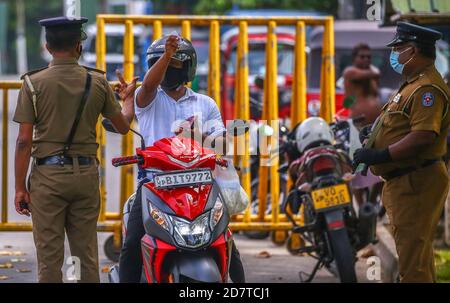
[(353, 73), (155, 75)]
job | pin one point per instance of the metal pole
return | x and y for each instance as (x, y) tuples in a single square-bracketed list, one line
[(205, 20), (101, 135), (327, 92), (5, 158), (186, 29), (214, 63), (127, 176), (272, 70), (264, 145), (157, 29), (298, 104), (186, 33), (244, 110)]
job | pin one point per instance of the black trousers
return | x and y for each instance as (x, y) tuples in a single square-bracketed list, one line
[(130, 263)]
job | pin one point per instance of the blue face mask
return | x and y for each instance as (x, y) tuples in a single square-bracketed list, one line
[(397, 66)]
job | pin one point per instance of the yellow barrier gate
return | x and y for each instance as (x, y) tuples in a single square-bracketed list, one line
[(260, 221), (247, 221)]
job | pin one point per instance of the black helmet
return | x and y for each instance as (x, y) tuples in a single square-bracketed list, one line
[(186, 53)]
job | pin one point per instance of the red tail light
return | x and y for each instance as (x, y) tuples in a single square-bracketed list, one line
[(336, 225), (323, 163)]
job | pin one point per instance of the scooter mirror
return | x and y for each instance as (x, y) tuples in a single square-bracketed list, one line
[(237, 127), (266, 130), (108, 126)]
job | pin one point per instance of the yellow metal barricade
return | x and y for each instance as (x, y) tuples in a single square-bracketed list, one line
[(269, 178), (7, 201)]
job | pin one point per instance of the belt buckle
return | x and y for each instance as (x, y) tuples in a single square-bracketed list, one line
[(61, 160)]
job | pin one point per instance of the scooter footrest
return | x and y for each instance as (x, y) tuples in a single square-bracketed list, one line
[(302, 229), (307, 250)]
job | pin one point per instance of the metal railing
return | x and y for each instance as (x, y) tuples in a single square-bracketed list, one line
[(247, 221), (110, 221)]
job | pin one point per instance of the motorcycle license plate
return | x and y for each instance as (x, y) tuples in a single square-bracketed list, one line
[(183, 178), (331, 196)]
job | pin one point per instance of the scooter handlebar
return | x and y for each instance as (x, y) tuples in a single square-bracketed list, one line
[(121, 161)]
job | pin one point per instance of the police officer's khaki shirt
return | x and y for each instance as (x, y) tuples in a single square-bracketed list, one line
[(59, 90), (426, 110)]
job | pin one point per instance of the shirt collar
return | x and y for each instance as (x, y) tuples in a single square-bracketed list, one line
[(419, 74), (64, 61), (189, 95)]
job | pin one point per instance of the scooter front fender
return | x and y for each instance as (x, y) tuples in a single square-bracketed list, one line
[(198, 268)]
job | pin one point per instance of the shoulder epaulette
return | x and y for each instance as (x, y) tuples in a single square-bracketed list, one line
[(33, 72), (94, 69)]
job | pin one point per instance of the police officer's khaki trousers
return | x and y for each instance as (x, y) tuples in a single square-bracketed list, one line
[(414, 204), (65, 200)]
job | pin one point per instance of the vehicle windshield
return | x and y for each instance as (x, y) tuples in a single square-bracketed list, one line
[(202, 50), (257, 60), (114, 44)]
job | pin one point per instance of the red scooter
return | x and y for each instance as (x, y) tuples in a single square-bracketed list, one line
[(186, 222)]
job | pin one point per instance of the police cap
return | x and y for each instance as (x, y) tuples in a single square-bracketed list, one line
[(65, 24), (408, 32)]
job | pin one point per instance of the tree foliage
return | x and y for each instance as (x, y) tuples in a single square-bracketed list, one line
[(34, 11), (221, 6)]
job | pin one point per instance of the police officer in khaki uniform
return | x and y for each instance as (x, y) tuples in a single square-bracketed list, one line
[(409, 142), (61, 104)]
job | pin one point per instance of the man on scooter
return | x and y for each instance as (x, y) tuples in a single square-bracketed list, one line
[(161, 104)]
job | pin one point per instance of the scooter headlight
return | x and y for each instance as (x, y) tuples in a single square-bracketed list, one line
[(160, 218), (216, 213), (192, 234)]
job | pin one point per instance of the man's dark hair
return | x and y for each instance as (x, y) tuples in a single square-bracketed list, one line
[(62, 40), (359, 47), (427, 50)]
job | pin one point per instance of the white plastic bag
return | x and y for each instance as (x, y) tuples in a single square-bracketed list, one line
[(236, 199)]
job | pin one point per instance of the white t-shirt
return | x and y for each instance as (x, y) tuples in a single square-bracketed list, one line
[(163, 115)]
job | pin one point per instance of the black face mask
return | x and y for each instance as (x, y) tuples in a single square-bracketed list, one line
[(173, 79)]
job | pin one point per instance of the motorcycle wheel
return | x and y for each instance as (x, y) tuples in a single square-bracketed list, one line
[(257, 235), (343, 255), (111, 252)]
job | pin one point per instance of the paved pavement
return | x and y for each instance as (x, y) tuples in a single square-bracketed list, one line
[(280, 267)]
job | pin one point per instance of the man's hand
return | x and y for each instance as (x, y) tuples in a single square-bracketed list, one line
[(124, 89), (24, 197), (156, 73), (370, 156), (365, 133), (171, 45)]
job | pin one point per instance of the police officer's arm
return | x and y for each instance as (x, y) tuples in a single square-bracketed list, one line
[(113, 111), (411, 144), (22, 161), (155, 75), (126, 93), (24, 115), (427, 110)]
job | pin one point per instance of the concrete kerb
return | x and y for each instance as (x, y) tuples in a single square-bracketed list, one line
[(386, 251)]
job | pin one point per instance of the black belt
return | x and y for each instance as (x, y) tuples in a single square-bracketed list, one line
[(60, 160), (407, 170)]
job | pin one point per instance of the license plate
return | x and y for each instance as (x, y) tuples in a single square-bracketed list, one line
[(183, 178), (331, 196)]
